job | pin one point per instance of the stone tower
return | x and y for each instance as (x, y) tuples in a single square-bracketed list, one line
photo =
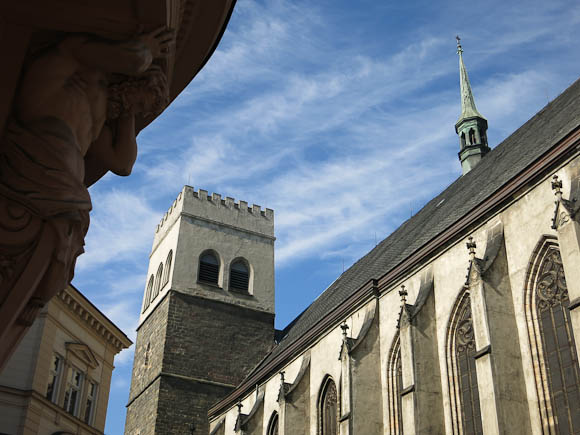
[(471, 125), (208, 311)]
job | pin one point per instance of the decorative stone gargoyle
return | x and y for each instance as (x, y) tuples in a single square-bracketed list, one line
[(73, 119)]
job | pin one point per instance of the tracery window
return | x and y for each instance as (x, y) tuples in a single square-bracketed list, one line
[(167, 268), (273, 425), (395, 386), (209, 268), (239, 276), (556, 369), (464, 391), (328, 408), (147, 299), (158, 277)]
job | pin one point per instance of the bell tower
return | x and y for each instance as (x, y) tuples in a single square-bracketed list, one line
[(208, 311), (471, 125)]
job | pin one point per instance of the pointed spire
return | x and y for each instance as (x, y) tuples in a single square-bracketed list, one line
[(468, 109), (471, 126)]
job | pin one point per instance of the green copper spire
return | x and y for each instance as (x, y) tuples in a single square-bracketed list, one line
[(471, 125), (468, 109)]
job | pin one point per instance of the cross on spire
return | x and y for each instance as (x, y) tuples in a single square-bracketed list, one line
[(459, 48)]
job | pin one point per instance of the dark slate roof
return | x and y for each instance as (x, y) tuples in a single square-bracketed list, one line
[(498, 167)]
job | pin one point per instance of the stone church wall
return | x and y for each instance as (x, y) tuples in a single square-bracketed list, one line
[(505, 367)]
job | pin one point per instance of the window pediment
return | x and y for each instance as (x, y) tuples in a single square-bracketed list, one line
[(84, 353)]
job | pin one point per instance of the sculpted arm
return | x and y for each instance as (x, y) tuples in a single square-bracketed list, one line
[(114, 151), (128, 57)]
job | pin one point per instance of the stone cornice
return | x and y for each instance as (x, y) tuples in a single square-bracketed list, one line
[(93, 318)]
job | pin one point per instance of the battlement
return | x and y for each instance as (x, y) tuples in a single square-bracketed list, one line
[(212, 207)]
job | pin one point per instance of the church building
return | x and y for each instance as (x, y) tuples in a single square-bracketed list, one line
[(462, 321)]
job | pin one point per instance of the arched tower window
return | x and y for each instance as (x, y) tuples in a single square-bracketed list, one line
[(273, 425), (147, 300), (209, 268), (328, 408), (462, 140), (394, 386), (472, 140), (556, 369), (239, 276), (464, 390), (158, 277), (167, 268)]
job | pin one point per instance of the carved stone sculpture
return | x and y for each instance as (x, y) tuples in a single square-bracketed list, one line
[(73, 120)]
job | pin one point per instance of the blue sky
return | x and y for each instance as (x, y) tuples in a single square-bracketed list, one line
[(339, 116)]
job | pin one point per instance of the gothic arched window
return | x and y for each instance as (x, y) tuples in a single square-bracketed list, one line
[(464, 390), (328, 408), (472, 140), (273, 425), (395, 385), (239, 276), (462, 140), (167, 268), (147, 299), (209, 268), (556, 369), (158, 277)]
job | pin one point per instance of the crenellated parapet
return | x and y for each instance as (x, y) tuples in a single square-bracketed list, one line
[(213, 208)]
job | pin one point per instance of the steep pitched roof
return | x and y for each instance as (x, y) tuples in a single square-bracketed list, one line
[(503, 163)]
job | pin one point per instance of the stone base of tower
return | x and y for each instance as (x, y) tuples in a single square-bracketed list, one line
[(173, 406), (190, 353)]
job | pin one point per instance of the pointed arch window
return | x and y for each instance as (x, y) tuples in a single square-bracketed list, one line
[(328, 408), (472, 140), (464, 391), (556, 369), (239, 276), (147, 300), (158, 277), (273, 425), (395, 386), (209, 268), (167, 268), (463, 140)]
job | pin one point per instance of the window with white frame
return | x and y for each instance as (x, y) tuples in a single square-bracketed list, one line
[(90, 402), (72, 393), (56, 368)]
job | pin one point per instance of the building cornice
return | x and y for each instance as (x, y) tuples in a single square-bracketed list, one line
[(508, 193), (91, 317)]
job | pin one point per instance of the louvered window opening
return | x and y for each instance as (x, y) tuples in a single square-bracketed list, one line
[(239, 278), (560, 355), (209, 269)]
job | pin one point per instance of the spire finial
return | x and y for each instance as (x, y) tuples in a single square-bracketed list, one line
[(471, 247), (459, 48), (344, 328), (557, 187), (403, 293)]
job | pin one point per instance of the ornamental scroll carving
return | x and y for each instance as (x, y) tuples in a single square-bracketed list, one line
[(464, 332), (551, 284)]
